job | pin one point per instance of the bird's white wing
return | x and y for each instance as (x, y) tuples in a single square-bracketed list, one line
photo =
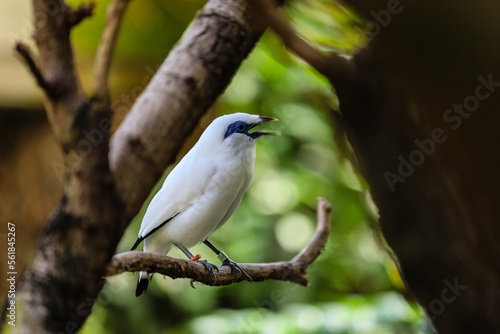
[(185, 183), (201, 218)]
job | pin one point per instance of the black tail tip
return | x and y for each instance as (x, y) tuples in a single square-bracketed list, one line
[(142, 286)]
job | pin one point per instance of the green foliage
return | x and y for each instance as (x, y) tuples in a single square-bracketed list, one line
[(354, 283), (330, 25)]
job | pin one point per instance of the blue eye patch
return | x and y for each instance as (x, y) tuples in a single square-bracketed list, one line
[(237, 127)]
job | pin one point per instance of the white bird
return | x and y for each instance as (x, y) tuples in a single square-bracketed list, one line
[(203, 191)]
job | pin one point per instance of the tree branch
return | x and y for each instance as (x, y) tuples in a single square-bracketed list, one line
[(293, 271), (332, 66), (106, 46), (76, 15), (53, 21), (314, 248), (191, 78), (25, 52)]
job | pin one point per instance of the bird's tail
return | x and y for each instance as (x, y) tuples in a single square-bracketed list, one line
[(142, 284)]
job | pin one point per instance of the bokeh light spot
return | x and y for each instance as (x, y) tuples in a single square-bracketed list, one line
[(294, 231)]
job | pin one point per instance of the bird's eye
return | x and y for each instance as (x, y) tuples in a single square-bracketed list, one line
[(237, 127), (241, 127)]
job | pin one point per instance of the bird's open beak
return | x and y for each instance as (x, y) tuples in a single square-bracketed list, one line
[(265, 119), (260, 133)]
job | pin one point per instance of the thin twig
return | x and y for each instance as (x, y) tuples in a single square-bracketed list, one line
[(293, 271), (106, 48), (25, 52), (76, 15), (318, 242)]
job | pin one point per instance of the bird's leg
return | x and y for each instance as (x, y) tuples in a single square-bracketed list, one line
[(226, 261), (210, 267)]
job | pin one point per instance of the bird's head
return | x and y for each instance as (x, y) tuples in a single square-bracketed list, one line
[(240, 124), (234, 130)]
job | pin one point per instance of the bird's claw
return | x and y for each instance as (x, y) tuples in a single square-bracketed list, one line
[(212, 268), (235, 266)]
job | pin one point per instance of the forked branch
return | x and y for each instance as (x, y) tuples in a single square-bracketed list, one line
[(294, 271), (24, 51), (106, 47)]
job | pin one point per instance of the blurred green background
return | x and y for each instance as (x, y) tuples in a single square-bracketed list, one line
[(355, 285)]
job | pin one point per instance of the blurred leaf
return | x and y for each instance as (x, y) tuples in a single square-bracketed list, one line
[(327, 23)]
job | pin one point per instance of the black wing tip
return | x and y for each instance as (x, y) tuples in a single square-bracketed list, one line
[(138, 241), (142, 286)]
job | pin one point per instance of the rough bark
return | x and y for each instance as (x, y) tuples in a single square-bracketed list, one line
[(441, 218)]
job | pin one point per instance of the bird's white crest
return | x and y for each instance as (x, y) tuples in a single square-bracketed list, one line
[(205, 188)]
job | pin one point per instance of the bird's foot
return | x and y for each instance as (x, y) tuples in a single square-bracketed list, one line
[(236, 267), (212, 268), (226, 261)]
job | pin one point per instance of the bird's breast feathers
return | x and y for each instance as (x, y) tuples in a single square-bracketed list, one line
[(207, 186)]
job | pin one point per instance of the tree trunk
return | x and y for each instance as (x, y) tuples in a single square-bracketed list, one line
[(419, 105)]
